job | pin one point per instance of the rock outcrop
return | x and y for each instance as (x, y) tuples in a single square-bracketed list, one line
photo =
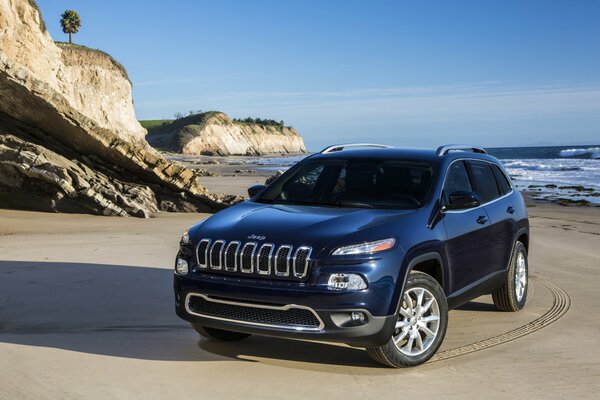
[(69, 140), (214, 133)]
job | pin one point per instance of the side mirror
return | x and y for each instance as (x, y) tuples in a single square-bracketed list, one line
[(461, 200), (256, 189)]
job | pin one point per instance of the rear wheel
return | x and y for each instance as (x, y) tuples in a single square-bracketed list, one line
[(513, 294), (219, 335), (421, 325)]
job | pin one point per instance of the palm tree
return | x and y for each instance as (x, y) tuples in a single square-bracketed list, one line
[(70, 22)]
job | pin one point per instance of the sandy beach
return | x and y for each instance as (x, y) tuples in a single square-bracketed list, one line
[(86, 312)]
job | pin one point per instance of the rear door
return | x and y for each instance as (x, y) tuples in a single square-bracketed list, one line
[(499, 209), (468, 236)]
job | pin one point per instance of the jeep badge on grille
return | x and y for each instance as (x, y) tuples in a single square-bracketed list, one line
[(256, 237)]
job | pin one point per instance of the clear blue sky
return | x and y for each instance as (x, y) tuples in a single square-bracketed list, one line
[(407, 73)]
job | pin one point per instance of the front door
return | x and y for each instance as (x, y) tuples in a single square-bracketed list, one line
[(467, 233)]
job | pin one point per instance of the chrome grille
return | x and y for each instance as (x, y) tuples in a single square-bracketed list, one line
[(301, 261), (247, 258), (282, 260), (216, 254), (266, 260), (202, 253), (263, 259), (231, 256)]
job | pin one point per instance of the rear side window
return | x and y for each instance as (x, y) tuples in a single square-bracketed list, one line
[(457, 179), (484, 180), (501, 180)]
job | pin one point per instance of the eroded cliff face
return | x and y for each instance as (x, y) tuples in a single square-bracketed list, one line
[(88, 80), (214, 133), (63, 141)]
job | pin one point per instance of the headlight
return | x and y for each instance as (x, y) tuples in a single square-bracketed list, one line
[(181, 267), (365, 248), (185, 239)]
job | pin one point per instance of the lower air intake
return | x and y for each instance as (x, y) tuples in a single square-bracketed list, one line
[(292, 317)]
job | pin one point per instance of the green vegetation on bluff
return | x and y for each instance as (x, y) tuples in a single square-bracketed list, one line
[(260, 121), (151, 124), (200, 117)]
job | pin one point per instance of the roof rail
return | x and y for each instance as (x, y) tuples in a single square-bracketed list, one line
[(443, 150), (340, 147)]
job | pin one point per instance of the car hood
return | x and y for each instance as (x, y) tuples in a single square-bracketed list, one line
[(297, 225)]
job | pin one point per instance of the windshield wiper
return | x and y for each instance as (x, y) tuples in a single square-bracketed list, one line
[(338, 203), (356, 204)]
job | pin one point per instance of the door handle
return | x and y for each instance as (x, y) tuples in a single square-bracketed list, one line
[(482, 219), (510, 210)]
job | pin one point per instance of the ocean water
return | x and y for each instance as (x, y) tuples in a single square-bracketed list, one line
[(554, 172), (551, 172)]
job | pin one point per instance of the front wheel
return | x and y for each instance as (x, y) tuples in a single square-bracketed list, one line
[(421, 325), (219, 335)]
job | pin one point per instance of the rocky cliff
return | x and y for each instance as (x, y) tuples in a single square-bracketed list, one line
[(69, 140), (214, 133)]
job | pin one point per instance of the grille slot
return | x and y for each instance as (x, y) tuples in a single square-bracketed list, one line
[(282, 260), (301, 261), (251, 258), (289, 316), (231, 252), (263, 259), (216, 259), (202, 253), (247, 258)]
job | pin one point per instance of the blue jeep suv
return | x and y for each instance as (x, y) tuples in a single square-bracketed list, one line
[(362, 244)]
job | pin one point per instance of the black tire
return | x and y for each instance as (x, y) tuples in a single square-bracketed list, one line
[(506, 298), (390, 354), (219, 335)]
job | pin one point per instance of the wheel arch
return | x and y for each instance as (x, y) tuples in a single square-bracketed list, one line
[(430, 264), (522, 236)]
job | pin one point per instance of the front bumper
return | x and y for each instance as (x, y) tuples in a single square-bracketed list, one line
[(326, 305), (374, 332)]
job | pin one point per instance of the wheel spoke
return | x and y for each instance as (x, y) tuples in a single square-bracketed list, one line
[(430, 318), (409, 345), (404, 312), (420, 295), (426, 330), (419, 341), (427, 305), (409, 303), (402, 324), (402, 335)]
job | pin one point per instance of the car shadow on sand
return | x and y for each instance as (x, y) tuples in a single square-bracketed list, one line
[(126, 311)]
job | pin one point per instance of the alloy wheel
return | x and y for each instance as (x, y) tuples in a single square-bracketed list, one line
[(520, 277), (418, 322)]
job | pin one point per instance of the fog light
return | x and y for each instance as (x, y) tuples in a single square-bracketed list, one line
[(358, 316), (346, 282), (181, 267)]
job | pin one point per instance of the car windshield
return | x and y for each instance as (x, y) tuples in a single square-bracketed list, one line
[(390, 184)]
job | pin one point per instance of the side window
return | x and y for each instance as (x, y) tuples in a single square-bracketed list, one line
[(484, 180), (457, 179), (501, 180)]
